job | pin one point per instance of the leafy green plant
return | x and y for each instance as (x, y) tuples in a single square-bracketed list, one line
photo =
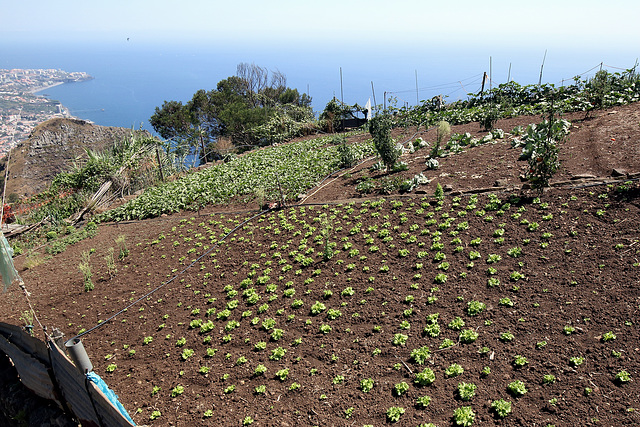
[(475, 307), (517, 388), (177, 391), (85, 268), (456, 324), (622, 377), (324, 328), (454, 370), (519, 361), (318, 308), (399, 339), (543, 141), (425, 378), (576, 361), (282, 374), (501, 407), (401, 388), (394, 413), (464, 416), (468, 336), (466, 390), (277, 353), (423, 401), (366, 385), (420, 355), (338, 379)]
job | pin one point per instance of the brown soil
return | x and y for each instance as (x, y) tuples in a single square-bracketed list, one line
[(579, 266)]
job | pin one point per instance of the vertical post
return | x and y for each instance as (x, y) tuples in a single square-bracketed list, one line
[(509, 75), (159, 164), (490, 72), (417, 93), (341, 97), (374, 96), (384, 101), (484, 79), (542, 66)]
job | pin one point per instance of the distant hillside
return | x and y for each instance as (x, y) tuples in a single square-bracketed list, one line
[(52, 148)]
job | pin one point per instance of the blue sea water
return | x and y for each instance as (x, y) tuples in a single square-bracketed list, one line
[(131, 79)]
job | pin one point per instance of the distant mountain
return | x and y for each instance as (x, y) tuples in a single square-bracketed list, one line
[(51, 148)]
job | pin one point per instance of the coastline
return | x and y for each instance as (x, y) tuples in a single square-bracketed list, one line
[(64, 111), (35, 91)]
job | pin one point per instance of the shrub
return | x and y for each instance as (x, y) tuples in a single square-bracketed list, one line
[(380, 130), (544, 140), (347, 156)]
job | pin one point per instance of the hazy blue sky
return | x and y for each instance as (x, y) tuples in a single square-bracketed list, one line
[(542, 23)]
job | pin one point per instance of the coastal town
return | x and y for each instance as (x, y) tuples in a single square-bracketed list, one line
[(22, 109)]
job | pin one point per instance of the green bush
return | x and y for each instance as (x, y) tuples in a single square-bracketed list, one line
[(380, 130)]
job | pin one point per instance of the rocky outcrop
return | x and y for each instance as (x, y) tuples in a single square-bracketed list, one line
[(52, 148)]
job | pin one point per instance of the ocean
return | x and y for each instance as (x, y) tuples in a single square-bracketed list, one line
[(131, 79)]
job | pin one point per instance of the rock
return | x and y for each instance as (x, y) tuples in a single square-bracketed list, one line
[(583, 176), (502, 182), (52, 147), (618, 172), (447, 188)]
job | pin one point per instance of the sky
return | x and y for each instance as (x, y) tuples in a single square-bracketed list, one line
[(566, 24)]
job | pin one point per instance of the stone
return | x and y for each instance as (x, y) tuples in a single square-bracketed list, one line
[(502, 182), (618, 172), (583, 176)]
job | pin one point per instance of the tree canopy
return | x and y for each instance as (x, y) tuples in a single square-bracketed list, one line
[(252, 108)]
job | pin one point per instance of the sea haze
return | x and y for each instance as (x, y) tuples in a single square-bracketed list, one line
[(131, 79)]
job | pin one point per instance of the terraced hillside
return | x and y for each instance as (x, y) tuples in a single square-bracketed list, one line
[(348, 307)]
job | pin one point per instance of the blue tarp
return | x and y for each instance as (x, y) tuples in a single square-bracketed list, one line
[(113, 398)]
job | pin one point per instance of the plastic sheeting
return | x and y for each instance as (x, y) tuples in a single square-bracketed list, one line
[(113, 398), (7, 269)]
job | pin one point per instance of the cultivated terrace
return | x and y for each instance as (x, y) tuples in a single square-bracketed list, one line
[(431, 294)]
